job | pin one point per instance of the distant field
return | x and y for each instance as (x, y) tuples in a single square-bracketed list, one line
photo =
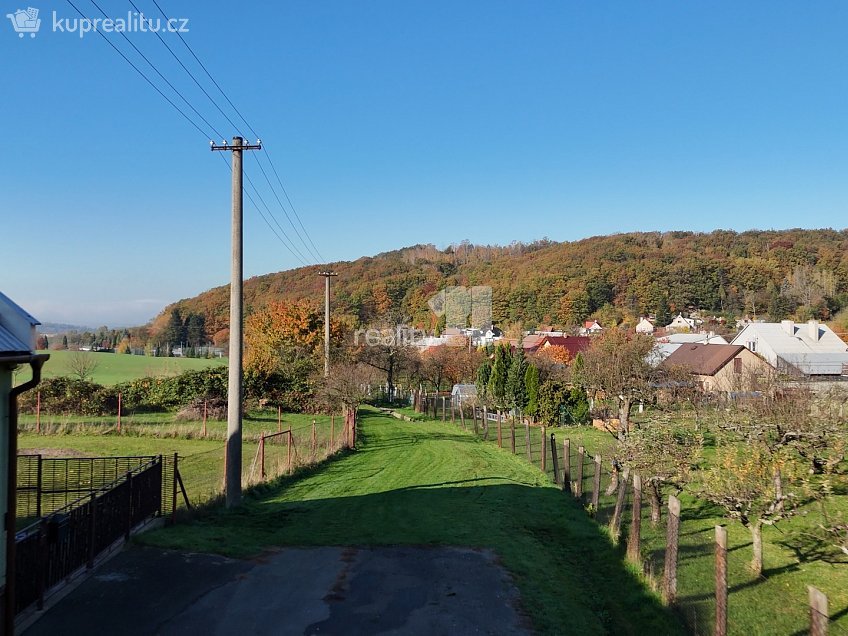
[(113, 368)]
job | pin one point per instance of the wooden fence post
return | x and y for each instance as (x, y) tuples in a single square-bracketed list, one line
[(512, 435), (554, 462), (314, 444), (596, 484), (500, 437), (485, 423), (332, 432), (205, 413), (672, 539), (474, 417), (543, 460), (38, 413), (634, 541), (818, 612), (444, 407), (462, 416), (720, 581), (279, 419), (119, 412), (453, 411), (290, 443), (566, 465), (527, 442), (615, 524), (262, 456), (578, 478)]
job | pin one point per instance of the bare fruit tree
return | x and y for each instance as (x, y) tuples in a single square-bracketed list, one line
[(82, 364)]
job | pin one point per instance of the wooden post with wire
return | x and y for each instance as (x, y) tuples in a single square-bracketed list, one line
[(38, 413), (262, 456), (327, 276), (279, 419), (818, 612), (672, 540), (119, 412), (205, 414), (720, 581), (314, 444), (235, 380)]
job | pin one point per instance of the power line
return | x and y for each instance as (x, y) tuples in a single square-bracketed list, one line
[(246, 123), (297, 216), (190, 74), (294, 227), (146, 79), (262, 214), (153, 66)]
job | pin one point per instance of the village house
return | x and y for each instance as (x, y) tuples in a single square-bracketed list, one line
[(810, 349), (683, 324), (573, 344), (591, 328), (720, 367), (17, 347), (644, 325)]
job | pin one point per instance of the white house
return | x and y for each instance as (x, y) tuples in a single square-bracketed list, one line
[(809, 349), (590, 328), (644, 326), (683, 324)]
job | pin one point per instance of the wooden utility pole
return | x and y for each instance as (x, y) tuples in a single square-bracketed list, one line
[(327, 275), (234, 389)]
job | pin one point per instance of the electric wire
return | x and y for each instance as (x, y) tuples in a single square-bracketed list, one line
[(146, 79), (185, 68), (153, 66), (250, 128), (262, 214)]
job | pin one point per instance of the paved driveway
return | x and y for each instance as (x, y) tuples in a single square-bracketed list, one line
[(350, 591)]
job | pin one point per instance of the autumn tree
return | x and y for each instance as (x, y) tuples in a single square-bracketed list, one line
[(284, 347), (741, 480), (663, 455), (616, 366)]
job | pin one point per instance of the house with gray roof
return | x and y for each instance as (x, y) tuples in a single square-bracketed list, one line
[(809, 349), (17, 347)]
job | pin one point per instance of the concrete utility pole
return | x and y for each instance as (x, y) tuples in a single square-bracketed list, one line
[(327, 276), (234, 389)]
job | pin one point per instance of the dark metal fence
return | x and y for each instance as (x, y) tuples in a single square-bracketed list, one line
[(71, 537), (46, 484)]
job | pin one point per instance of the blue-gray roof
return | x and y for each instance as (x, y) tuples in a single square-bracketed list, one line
[(11, 344), (4, 299)]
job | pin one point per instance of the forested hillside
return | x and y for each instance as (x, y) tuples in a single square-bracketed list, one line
[(615, 278)]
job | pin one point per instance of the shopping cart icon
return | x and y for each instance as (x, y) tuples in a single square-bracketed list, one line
[(25, 21)]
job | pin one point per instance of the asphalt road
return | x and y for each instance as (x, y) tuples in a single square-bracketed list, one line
[(327, 590)]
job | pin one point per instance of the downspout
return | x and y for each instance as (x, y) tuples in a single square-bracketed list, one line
[(36, 361)]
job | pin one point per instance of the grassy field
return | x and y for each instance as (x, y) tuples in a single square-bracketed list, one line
[(427, 483), (774, 604), (201, 459), (113, 368)]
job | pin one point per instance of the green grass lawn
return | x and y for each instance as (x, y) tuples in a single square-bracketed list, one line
[(201, 460), (113, 368), (428, 483), (775, 604)]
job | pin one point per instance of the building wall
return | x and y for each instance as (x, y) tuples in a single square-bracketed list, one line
[(753, 371), (5, 387)]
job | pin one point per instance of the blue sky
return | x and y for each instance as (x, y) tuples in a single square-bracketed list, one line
[(395, 123)]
